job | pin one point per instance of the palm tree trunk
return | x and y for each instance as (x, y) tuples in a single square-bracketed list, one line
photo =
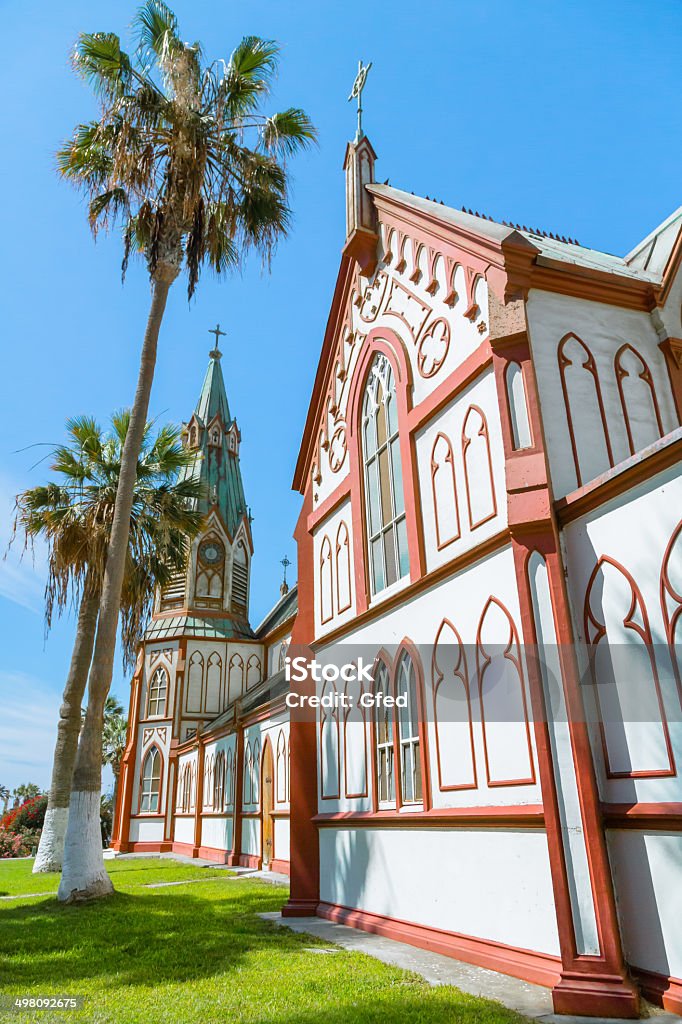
[(51, 846), (84, 875)]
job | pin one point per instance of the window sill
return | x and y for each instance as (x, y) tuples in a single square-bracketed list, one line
[(387, 592)]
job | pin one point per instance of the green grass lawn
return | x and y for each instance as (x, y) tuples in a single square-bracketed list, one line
[(197, 953)]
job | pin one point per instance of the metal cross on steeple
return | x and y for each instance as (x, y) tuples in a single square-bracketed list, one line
[(215, 353), (284, 589), (356, 91)]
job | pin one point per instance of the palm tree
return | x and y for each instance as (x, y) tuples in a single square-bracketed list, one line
[(113, 743), (184, 159), (5, 794), (75, 517)]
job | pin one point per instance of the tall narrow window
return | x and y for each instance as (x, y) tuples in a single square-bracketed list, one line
[(408, 730), (384, 740), (240, 578), (158, 688), (210, 572), (386, 526), (151, 782)]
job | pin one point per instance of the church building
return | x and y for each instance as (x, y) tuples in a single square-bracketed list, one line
[(491, 517)]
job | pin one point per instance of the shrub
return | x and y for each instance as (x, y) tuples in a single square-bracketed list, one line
[(29, 816), (14, 844)]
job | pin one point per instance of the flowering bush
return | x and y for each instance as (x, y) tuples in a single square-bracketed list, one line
[(18, 844), (27, 817)]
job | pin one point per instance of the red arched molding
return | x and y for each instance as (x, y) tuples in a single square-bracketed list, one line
[(488, 501), (255, 778), (595, 631), (671, 602), (343, 569), (406, 647), (154, 671), (281, 769), (647, 380), (213, 662), (326, 581), (386, 341), (512, 655), (355, 713), (159, 812), (382, 661), (590, 367), (330, 786), (451, 648), (444, 491)]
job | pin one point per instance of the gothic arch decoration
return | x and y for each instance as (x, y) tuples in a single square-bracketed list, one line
[(326, 581), (209, 775), (158, 693), (229, 778), (195, 684), (282, 655), (444, 490), (338, 448), (214, 683), (255, 771), (502, 698), (433, 348), (589, 433), (453, 724), (151, 781), (671, 600), (253, 671), (355, 773), (247, 795), (281, 768), (210, 577), (517, 403), (638, 399), (330, 766), (342, 566), (235, 677), (478, 468), (186, 788), (632, 718)]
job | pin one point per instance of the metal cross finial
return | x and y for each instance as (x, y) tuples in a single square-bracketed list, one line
[(358, 86), (215, 353), (286, 563)]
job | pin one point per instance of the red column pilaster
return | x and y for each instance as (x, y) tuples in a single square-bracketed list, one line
[(305, 854), (233, 856)]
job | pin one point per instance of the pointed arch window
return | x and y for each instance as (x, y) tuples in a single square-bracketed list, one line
[(195, 683), (235, 678), (384, 495), (408, 733), (478, 468), (326, 583), (240, 578), (384, 740), (343, 594), (158, 689), (151, 782), (219, 782), (253, 672)]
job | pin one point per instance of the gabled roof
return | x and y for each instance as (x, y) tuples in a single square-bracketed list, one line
[(215, 466), (286, 607), (548, 249), (654, 251)]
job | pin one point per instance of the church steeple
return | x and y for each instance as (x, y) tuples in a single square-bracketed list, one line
[(215, 435), (361, 226)]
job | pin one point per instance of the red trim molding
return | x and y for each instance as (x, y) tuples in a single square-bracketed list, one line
[(666, 817), (538, 968), (518, 816), (213, 853), (662, 991), (249, 860), (280, 866)]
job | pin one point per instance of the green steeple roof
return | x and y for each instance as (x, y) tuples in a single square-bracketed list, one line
[(216, 466)]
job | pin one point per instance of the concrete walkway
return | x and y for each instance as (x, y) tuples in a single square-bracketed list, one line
[(533, 1001)]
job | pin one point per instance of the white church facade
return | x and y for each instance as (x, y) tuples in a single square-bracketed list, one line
[(492, 515)]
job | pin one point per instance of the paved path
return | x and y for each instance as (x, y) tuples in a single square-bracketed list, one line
[(534, 1001)]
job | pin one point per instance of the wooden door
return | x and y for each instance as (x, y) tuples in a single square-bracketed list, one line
[(267, 802)]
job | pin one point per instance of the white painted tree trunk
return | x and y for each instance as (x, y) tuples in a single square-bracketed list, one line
[(84, 876), (51, 847)]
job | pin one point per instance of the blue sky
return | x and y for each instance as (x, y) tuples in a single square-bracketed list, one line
[(564, 116)]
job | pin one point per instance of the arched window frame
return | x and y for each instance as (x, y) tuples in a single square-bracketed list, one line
[(590, 366), (443, 541), (342, 564), (157, 696), (395, 743), (466, 443), (148, 792)]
